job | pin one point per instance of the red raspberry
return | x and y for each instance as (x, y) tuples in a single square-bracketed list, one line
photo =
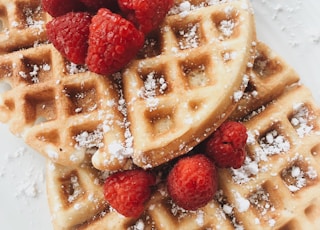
[(113, 42), (60, 7), (69, 34), (95, 5), (145, 14), (192, 182), (128, 191), (226, 146)]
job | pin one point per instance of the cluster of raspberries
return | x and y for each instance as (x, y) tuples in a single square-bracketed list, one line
[(192, 181), (102, 34)]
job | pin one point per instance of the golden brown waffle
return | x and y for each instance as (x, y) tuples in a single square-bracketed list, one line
[(21, 24), (277, 188), (186, 86), (269, 73), (163, 104)]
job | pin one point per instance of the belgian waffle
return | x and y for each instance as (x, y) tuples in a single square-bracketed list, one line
[(270, 73), (22, 23), (193, 68), (276, 188)]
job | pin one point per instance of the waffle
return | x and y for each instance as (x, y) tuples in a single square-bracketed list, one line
[(193, 68), (270, 73), (22, 23), (276, 188)]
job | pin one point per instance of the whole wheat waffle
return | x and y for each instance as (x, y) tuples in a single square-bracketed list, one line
[(183, 84), (276, 188)]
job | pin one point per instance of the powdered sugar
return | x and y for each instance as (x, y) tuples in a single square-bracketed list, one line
[(270, 144), (90, 140), (226, 27), (297, 176), (301, 120), (22, 182), (33, 74), (75, 188), (31, 22), (237, 95), (190, 37), (153, 86), (73, 68), (242, 204)]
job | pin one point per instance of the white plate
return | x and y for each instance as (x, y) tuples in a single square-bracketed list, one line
[(290, 27)]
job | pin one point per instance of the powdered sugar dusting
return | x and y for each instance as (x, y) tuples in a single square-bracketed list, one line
[(226, 27), (22, 180), (301, 120), (31, 22), (190, 37), (237, 95), (270, 144), (298, 174), (153, 85), (90, 140), (75, 188)]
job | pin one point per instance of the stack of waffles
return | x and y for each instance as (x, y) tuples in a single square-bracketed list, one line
[(200, 68)]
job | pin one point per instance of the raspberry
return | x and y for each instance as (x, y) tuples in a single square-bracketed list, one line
[(60, 7), (95, 5), (192, 182), (69, 34), (145, 14), (113, 42), (226, 146), (128, 191)]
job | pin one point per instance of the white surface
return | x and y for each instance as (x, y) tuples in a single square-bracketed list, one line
[(290, 27)]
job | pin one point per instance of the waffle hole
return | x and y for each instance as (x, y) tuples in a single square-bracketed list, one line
[(187, 35), (265, 67), (151, 48), (312, 212), (226, 24), (10, 104), (71, 188), (298, 175), (41, 105), (88, 136), (49, 136), (272, 143), (195, 73), (154, 84), (302, 120), (195, 105), (264, 203), (36, 69), (82, 98), (29, 14), (160, 121), (6, 70)]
